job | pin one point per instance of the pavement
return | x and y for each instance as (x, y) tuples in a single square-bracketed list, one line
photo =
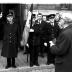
[(23, 65)]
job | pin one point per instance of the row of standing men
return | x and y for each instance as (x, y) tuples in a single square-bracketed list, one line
[(42, 32)]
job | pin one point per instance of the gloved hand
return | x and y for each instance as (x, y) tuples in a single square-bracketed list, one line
[(1, 15), (51, 43), (22, 43), (31, 30), (45, 44), (27, 45)]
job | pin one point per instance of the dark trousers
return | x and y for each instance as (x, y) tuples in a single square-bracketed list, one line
[(11, 61), (50, 56), (33, 55), (42, 48)]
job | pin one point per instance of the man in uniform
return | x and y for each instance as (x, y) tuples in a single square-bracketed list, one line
[(54, 29), (10, 40)]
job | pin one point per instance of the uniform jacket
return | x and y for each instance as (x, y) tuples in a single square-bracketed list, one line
[(10, 40), (63, 51), (1, 29), (39, 32), (55, 30), (47, 32)]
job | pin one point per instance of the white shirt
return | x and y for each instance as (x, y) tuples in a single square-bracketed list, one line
[(40, 21)]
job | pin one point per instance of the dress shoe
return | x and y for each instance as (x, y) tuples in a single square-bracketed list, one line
[(37, 64), (14, 66), (25, 52), (31, 65), (7, 67), (48, 63)]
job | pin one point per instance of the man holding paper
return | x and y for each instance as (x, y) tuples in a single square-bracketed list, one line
[(63, 46)]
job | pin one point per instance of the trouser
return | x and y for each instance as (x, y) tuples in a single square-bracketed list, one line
[(11, 61), (50, 56), (42, 48), (33, 55), (26, 50)]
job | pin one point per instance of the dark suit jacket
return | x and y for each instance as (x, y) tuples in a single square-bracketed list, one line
[(63, 51)]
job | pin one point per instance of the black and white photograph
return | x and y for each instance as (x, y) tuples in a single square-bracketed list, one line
[(35, 37)]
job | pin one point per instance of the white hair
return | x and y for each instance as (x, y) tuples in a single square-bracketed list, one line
[(67, 16)]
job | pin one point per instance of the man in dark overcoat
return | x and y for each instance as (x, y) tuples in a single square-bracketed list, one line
[(10, 40), (35, 39), (63, 48), (44, 30)]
